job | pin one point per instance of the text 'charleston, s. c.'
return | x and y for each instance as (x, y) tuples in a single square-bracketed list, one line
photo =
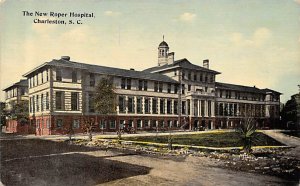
[(61, 18)]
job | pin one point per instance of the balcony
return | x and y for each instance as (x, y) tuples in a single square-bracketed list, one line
[(201, 93)]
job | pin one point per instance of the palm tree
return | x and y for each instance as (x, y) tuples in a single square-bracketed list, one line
[(247, 130)]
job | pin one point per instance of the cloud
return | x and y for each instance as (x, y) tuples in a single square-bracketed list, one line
[(259, 38), (187, 17), (297, 1), (111, 13)]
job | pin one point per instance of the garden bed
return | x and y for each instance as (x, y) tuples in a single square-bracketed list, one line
[(222, 139)]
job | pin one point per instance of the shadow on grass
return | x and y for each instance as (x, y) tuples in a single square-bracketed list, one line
[(70, 169), (19, 148), (60, 169)]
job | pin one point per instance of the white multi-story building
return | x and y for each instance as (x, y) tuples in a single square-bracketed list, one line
[(173, 94)]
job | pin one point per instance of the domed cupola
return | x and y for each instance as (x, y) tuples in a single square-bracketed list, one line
[(163, 50)]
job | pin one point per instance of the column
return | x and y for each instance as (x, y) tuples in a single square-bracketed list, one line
[(126, 104), (166, 105), (199, 105), (206, 108), (158, 104), (150, 105), (143, 105)]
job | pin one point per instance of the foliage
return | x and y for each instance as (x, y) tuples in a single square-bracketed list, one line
[(88, 125), (247, 130), (19, 111), (105, 98)]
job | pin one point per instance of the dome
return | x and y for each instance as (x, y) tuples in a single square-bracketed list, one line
[(163, 44)]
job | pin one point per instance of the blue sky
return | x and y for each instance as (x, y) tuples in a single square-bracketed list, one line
[(251, 42)]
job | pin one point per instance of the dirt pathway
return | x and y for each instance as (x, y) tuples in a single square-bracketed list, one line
[(187, 171), (288, 140)]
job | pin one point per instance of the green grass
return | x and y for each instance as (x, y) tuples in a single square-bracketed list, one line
[(226, 139)]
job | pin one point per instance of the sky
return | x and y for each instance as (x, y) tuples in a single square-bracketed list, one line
[(252, 43)]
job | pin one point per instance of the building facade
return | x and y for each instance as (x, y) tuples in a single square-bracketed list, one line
[(16, 94), (172, 95)]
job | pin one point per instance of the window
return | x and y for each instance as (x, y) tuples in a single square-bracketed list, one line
[(128, 84), (140, 84), (130, 123), (42, 76), (59, 100), (139, 105), (147, 105), (47, 75), (146, 123), (189, 87), (195, 77), (122, 104), (205, 79), (189, 76), (154, 106), (92, 79), (169, 111), (160, 87), (155, 86), (37, 79), (169, 88), (145, 85), (201, 77), (59, 123), (139, 124), (123, 83), (74, 101), (189, 107), (131, 105), (91, 103), (169, 123), (74, 76), (182, 88), (162, 106), (183, 109), (176, 124), (121, 124), (183, 75), (47, 100), (42, 102), (175, 107), (175, 73), (175, 89), (102, 124), (202, 107), (112, 124), (58, 75), (76, 123), (37, 103)]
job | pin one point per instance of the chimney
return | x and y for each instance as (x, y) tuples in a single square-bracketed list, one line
[(171, 58), (67, 58), (132, 69), (206, 63)]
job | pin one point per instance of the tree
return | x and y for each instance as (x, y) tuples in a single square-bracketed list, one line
[(19, 111), (104, 103), (247, 130), (105, 98)]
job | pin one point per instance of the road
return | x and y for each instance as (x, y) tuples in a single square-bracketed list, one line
[(47, 162)]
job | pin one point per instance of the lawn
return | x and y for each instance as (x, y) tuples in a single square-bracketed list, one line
[(224, 139)]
